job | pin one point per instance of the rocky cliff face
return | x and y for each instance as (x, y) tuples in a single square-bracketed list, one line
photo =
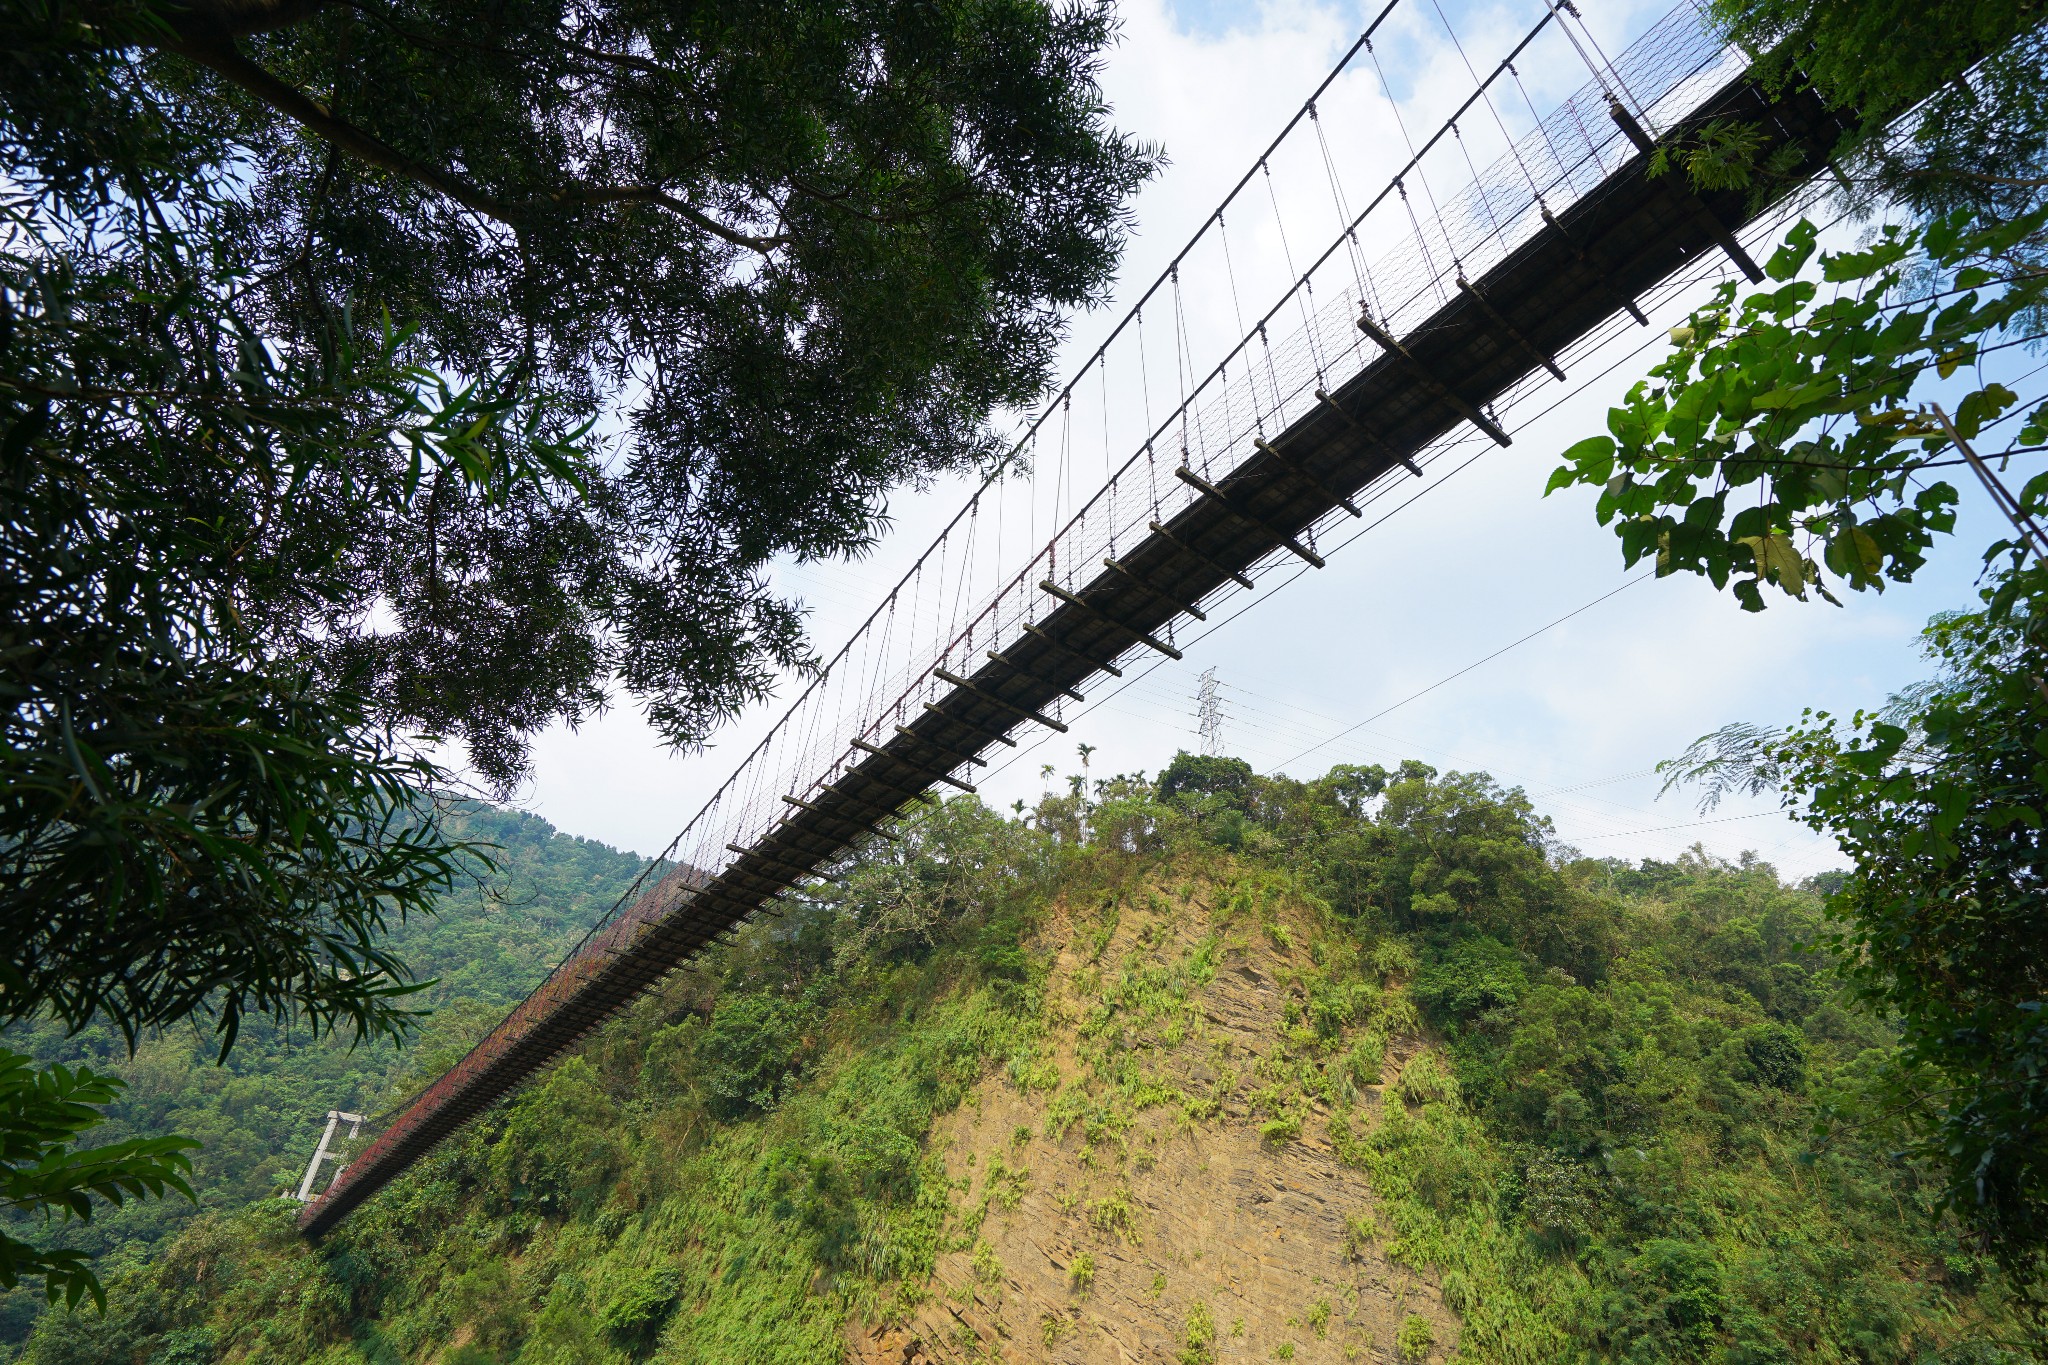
[(1156, 1180)]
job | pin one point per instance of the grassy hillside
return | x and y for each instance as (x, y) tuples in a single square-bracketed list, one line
[(259, 1115), (1260, 1071)]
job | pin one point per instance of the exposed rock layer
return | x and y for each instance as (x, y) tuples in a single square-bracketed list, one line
[(1132, 1209)]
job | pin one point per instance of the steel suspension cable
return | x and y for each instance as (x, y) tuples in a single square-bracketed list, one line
[(1308, 326), (1414, 164), (1514, 147)]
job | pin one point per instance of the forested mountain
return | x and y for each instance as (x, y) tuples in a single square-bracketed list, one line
[(527, 896), (1214, 1069)]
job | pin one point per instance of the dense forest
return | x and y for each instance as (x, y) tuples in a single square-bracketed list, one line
[(1533, 1107), (527, 895)]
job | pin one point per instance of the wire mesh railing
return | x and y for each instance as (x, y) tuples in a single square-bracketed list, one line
[(883, 675)]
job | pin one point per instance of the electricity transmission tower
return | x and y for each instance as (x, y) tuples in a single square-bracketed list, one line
[(1210, 712)]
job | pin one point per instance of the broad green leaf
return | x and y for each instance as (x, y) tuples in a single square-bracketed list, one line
[(1596, 451), (1863, 550), (1789, 300), (1778, 560), (1844, 267), (1799, 396), (1980, 407), (1794, 252)]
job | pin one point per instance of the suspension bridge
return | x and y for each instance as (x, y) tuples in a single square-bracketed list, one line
[(1456, 292)]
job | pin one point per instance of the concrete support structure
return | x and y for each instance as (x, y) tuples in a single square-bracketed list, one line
[(335, 1118)]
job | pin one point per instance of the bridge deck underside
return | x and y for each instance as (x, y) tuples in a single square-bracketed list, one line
[(1617, 242)]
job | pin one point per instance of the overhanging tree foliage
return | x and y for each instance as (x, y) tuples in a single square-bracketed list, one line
[(1784, 438), (786, 256), (675, 291), (190, 820), (42, 1176), (378, 373)]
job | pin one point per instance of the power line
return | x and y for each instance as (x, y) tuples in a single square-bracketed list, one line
[(1690, 824), (1452, 677)]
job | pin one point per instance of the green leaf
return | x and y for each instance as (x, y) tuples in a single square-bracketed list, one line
[(1794, 252), (1789, 300), (1855, 554), (1778, 560), (1589, 461), (1850, 266), (1793, 397), (1982, 406)]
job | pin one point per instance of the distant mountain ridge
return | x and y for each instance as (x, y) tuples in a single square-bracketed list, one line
[(259, 1116)]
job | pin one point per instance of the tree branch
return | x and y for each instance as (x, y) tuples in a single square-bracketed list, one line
[(882, 218), (444, 43), (655, 194), (222, 57)]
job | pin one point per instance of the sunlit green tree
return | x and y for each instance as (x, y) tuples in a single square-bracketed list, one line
[(1804, 438)]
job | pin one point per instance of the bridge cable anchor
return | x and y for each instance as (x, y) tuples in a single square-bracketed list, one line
[(801, 804), (878, 752), (1004, 702), (1645, 144), (993, 736), (1009, 662), (1407, 462), (1172, 539), (907, 793), (1170, 600), (875, 828), (780, 884), (962, 754), (1110, 669), (1599, 276), (1294, 467), (769, 858)]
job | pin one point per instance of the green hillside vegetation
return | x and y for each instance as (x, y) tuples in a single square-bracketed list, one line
[(259, 1115), (1630, 1120)]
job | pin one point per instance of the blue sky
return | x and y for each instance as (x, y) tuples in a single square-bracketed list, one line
[(1577, 716)]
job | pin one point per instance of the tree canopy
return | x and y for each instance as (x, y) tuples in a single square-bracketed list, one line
[(757, 264), (432, 371), (379, 375)]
